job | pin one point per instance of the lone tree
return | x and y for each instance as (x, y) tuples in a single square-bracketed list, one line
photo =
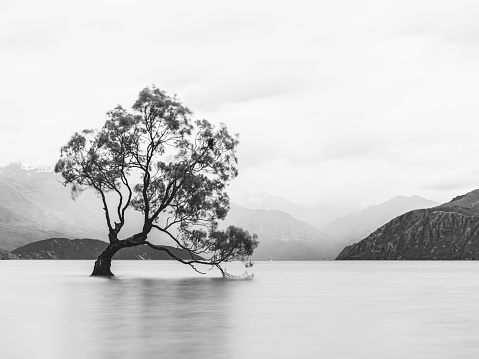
[(181, 169)]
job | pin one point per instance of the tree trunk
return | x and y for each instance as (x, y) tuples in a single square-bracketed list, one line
[(103, 263)]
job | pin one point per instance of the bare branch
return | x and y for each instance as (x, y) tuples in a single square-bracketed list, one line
[(190, 263)]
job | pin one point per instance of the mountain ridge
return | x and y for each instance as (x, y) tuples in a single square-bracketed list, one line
[(282, 236), (317, 215), (447, 231), (35, 206), (357, 226), (86, 248)]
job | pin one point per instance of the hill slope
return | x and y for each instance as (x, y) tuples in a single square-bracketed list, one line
[(63, 248), (354, 227), (34, 205), (281, 236), (7, 255), (448, 231)]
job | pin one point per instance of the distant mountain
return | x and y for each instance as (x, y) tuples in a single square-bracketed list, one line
[(63, 248), (281, 236), (449, 231), (34, 205), (7, 255), (352, 228), (318, 215)]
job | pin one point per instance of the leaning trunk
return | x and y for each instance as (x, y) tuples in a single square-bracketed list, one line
[(103, 263)]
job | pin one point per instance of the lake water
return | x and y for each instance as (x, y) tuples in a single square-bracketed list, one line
[(162, 309)]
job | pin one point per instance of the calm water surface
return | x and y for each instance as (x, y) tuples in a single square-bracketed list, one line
[(158, 309)]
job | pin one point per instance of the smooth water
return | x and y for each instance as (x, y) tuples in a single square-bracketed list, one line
[(162, 309)]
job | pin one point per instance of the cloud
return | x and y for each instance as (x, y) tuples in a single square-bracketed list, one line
[(450, 184), (456, 178), (209, 96), (354, 99)]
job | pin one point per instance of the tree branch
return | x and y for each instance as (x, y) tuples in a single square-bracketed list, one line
[(105, 208)]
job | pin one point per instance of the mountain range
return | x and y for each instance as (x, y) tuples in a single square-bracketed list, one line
[(35, 206), (281, 236), (317, 215), (346, 225), (448, 231), (354, 227)]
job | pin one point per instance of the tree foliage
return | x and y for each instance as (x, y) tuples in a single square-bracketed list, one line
[(182, 169)]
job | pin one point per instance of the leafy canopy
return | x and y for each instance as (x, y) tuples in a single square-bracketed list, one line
[(182, 169)]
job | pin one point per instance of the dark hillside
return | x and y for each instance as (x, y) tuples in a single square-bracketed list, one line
[(63, 248), (448, 231)]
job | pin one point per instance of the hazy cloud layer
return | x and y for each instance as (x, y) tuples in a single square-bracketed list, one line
[(334, 100)]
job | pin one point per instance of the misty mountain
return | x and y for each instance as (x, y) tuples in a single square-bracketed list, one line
[(63, 248), (352, 228), (318, 215), (281, 236), (448, 231), (34, 205)]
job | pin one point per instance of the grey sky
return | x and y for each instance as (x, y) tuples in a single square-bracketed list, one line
[(335, 101)]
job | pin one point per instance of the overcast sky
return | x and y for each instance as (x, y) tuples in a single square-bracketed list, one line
[(335, 101)]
